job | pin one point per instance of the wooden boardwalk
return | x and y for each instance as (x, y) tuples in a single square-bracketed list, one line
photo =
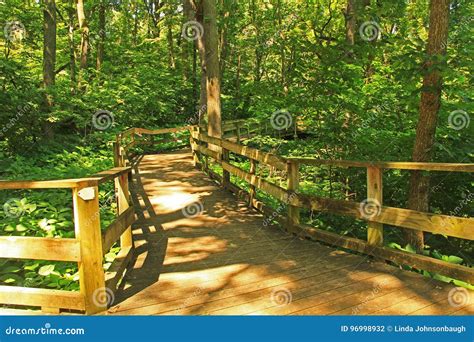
[(225, 261)]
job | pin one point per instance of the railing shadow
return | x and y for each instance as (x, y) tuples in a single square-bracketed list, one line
[(151, 244)]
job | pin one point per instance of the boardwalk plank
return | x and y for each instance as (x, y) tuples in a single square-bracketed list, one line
[(225, 260)]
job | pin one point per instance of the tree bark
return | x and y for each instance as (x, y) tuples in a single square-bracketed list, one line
[(83, 25), (202, 54), (188, 15), (49, 47), (101, 40), (72, 48), (211, 41), (49, 58), (429, 106), (171, 58)]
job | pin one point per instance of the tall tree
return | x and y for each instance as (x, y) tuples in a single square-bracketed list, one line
[(71, 10), (201, 46), (83, 25), (188, 15), (213, 85), (429, 107), (351, 23), (49, 39), (101, 40)]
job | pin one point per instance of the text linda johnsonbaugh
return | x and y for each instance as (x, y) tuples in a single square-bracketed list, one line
[(403, 329)]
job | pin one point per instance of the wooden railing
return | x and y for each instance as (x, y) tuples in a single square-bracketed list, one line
[(460, 227), (90, 244), (87, 248), (239, 130)]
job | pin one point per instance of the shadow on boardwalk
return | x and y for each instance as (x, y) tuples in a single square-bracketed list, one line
[(224, 261)]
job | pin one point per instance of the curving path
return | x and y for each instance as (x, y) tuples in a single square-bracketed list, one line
[(224, 261)]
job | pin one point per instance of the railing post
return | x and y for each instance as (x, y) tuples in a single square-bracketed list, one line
[(293, 184), (194, 130), (225, 174), (116, 148), (374, 198), (237, 124), (87, 229), (123, 203), (253, 191)]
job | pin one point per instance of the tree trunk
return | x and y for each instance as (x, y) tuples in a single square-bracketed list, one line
[(202, 54), (101, 40), (83, 25), (72, 48), (49, 58), (169, 37), (49, 47), (211, 41), (188, 15), (429, 107), (135, 24), (351, 21)]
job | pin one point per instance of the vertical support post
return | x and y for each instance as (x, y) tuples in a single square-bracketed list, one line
[(293, 184), (237, 124), (225, 174), (87, 229), (123, 203), (116, 148), (194, 131), (374, 198), (296, 128), (253, 190)]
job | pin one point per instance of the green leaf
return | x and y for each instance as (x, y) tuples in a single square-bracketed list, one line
[(410, 249), (46, 270), (21, 228), (11, 278), (455, 259), (10, 269)]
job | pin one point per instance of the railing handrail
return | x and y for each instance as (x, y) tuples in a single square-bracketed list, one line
[(448, 225), (398, 165), (69, 183)]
